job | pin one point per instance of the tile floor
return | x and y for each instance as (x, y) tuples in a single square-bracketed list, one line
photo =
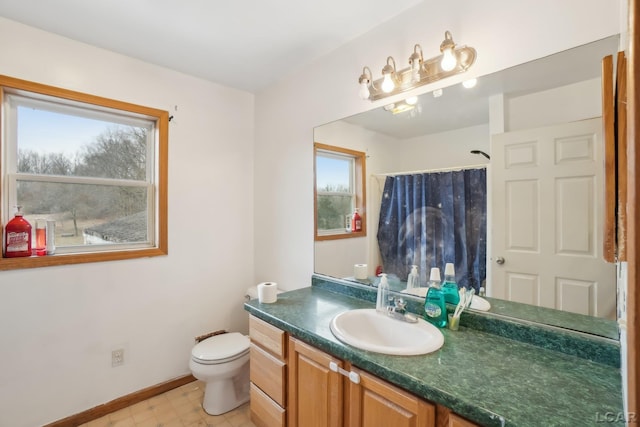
[(180, 407)]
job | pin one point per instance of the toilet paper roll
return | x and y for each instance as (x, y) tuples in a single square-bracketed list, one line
[(360, 271), (267, 292)]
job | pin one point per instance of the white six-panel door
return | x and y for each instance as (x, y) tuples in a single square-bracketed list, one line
[(547, 200)]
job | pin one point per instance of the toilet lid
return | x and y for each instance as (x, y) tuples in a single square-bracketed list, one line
[(221, 347)]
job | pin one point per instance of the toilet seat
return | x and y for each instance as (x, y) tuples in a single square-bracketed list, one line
[(221, 348)]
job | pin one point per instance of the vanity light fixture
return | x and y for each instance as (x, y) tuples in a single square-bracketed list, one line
[(452, 60)]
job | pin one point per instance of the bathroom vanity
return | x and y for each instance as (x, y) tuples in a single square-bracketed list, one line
[(317, 395), (303, 376)]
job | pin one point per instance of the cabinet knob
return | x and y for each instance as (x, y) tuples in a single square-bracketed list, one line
[(500, 260)]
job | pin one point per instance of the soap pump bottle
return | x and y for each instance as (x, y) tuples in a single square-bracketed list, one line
[(413, 281), (434, 307), (449, 286), (383, 294)]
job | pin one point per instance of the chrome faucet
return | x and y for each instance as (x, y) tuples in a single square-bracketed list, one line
[(397, 310)]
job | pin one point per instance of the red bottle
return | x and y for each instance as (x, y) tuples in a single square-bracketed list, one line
[(378, 270), (17, 237), (356, 222)]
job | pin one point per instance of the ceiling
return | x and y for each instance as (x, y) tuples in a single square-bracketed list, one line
[(458, 107), (244, 44)]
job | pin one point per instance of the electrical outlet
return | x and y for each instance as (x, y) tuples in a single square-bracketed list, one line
[(117, 357)]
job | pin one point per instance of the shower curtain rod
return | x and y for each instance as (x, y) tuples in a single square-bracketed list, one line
[(449, 169)]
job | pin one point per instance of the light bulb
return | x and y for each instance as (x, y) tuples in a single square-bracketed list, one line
[(415, 60), (469, 83), (415, 75), (412, 100), (448, 62), (387, 84), (364, 90), (415, 65)]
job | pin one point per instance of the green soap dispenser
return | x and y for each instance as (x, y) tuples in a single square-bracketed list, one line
[(435, 310), (449, 286)]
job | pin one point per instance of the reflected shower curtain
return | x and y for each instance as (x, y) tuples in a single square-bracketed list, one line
[(430, 219)]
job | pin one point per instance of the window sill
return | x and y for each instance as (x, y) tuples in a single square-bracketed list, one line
[(68, 259), (344, 235)]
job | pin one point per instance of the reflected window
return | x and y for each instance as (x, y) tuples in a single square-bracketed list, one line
[(339, 192)]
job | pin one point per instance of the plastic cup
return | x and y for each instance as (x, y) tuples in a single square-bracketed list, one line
[(40, 247), (454, 322)]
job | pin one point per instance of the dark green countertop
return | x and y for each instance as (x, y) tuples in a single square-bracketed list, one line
[(491, 380)]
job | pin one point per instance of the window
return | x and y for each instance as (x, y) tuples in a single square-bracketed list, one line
[(339, 191), (94, 167)]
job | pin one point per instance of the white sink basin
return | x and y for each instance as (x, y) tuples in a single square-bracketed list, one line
[(369, 330)]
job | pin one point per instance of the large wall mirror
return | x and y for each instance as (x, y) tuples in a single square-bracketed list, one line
[(536, 131)]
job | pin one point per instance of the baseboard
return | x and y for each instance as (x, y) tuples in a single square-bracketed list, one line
[(121, 402)]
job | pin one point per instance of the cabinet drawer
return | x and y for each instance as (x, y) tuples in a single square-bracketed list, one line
[(268, 373), (267, 336), (264, 411)]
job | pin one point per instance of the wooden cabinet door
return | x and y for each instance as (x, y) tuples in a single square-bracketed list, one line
[(376, 403), (315, 394)]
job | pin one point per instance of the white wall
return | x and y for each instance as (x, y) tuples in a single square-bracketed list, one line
[(58, 325), (578, 101), (443, 150)]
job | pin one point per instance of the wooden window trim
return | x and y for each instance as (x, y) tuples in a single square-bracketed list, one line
[(361, 191), (633, 212), (161, 179)]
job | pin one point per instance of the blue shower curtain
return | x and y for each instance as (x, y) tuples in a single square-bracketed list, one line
[(431, 219)]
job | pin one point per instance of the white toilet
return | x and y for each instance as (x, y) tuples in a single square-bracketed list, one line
[(222, 362)]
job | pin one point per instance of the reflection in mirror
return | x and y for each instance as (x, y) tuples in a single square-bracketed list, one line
[(536, 128), (429, 219)]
